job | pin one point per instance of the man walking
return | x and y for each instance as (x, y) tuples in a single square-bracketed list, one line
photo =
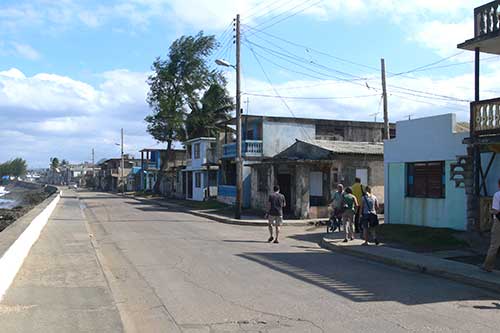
[(275, 206), (489, 263)]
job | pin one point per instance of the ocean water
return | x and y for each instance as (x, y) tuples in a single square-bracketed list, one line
[(5, 203)]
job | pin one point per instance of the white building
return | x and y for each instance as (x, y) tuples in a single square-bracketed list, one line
[(418, 171), (201, 172)]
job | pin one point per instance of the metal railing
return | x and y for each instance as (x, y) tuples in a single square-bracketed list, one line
[(487, 19), (486, 116), (249, 148)]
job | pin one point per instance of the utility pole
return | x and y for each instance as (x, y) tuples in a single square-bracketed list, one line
[(122, 165), (384, 96), (239, 162), (93, 168)]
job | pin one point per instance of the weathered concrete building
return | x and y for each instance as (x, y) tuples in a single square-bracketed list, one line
[(307, 172), (264, 137)]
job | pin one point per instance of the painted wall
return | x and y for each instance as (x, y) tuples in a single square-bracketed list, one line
[(426, 139), (199, 192), (197, 163), (277, 136), (449, 212)]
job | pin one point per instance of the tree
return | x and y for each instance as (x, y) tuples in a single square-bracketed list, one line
[(174, 88), (64, 162), (16, 167), (54, 163), (216, 104)]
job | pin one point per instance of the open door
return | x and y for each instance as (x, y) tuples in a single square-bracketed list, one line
[(284, 182)]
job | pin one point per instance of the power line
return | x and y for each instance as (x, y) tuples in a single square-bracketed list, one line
[(420, 68), (310, 98), (275, 90), (269, 6), (290, 15)]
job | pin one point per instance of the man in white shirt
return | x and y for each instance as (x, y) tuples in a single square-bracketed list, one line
[(489, 262)]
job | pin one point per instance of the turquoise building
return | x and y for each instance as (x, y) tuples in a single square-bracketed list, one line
[(418, 188)]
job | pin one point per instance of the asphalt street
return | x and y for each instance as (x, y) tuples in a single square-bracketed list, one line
[(108, 264)]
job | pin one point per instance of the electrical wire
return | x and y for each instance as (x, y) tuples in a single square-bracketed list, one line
[(276, 91), (310, 98), (420, 68)]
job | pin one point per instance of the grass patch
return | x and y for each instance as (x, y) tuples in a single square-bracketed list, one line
[(420, 238)]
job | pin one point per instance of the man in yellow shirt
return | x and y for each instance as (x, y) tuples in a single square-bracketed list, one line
[(357, 191)]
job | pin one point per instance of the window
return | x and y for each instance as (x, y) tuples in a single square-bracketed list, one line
[(197, 150), (197, 179), (262, 179), (228, 173), (425, 180)]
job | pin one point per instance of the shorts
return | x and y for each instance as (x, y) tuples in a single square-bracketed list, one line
[(275, 220)]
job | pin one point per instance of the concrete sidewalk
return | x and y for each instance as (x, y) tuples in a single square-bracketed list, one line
[(452, 270), (61, 286), (213, 214)]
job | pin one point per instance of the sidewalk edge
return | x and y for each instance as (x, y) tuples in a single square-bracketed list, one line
[(12, 260), (468, 280)]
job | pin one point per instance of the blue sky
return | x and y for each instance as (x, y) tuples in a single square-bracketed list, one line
[(72, 73)]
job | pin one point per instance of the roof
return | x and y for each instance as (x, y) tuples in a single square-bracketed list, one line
[(160, 149), (349, 147), (462, 126), (200, 139), (310, 120)]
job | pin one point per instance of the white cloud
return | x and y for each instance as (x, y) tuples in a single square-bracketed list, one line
[(26, 51)]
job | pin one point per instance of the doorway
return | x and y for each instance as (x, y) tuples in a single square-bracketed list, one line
[(285, 184), (190, 185)]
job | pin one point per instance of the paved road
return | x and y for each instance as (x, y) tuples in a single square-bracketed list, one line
[(144, 268)]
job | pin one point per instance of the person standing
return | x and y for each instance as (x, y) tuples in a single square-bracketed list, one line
[(275, 205), (337, 206), (351, 204), (357, 191), (369, 218), (489, 262)]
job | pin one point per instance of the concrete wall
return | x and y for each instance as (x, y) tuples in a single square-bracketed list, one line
[(449, 212), (197, 163), (278, 136), (420, 140)]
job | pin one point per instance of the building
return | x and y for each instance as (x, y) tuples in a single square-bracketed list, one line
[(201, 172), (265, 137), (110, 173), (151, 159), (420, 188), (307, 173), (483, 144)]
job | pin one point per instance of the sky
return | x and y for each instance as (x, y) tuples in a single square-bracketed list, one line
[(72, 73)]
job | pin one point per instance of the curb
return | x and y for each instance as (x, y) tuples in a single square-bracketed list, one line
[(217, 218), (411, 266), (12, 260)]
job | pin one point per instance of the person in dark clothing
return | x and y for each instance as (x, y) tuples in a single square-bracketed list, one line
[(275, 205)]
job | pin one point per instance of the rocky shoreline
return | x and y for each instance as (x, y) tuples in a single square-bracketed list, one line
[(22, 198)]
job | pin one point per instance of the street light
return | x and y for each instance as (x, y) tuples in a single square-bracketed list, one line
[(239, 162)]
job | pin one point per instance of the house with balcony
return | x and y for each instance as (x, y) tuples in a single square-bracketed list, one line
[(483, 143), (151, 159), (109, 177), (199, 177), (265, 137)]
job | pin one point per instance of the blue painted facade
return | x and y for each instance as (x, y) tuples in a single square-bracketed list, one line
[(424, 140)]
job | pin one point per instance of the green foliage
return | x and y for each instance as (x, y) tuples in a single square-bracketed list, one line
[(175, 85), (16, 167), (54, 163), (216, 104)]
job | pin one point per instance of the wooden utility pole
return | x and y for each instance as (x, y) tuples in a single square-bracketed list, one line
[(384, 96), (239, 161), (93, 168), (122, 165)]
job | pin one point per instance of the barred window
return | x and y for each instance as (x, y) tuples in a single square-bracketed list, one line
[(262, 180)]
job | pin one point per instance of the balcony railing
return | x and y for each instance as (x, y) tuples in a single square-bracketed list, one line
[(487, 19), (486, 116), (252, 148), (150, 165)]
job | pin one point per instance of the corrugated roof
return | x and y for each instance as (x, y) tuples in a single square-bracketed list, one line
[(348, 147)]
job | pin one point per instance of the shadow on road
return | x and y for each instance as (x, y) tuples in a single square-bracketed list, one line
[(364, 281), (243, 241)]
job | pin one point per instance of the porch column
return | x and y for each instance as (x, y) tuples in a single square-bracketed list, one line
[(302, 191)]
